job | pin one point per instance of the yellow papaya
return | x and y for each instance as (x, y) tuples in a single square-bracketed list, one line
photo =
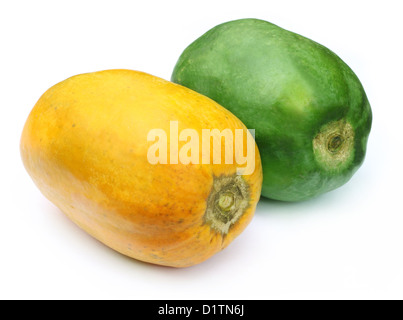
[(87, 146)]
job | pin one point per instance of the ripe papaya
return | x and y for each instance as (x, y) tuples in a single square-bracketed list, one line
[(310, 111), (86, 146)]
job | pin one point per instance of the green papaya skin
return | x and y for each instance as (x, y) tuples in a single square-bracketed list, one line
[(309, 110)]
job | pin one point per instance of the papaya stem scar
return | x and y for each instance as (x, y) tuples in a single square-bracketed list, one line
[(227, 202), (333, 146)]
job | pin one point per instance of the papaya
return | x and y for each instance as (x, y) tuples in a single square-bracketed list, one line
[(87, 146), (310, 112)]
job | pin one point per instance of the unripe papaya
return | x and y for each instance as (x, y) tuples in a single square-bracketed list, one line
[(310, 111)]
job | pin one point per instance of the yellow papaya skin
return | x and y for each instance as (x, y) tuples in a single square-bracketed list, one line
[(85, 147)]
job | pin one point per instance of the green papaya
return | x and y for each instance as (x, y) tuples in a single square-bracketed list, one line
[(309, 110)]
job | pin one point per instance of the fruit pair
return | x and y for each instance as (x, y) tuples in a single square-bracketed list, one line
[(86, 144)]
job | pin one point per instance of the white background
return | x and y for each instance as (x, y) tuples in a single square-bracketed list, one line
[(347, 244)]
